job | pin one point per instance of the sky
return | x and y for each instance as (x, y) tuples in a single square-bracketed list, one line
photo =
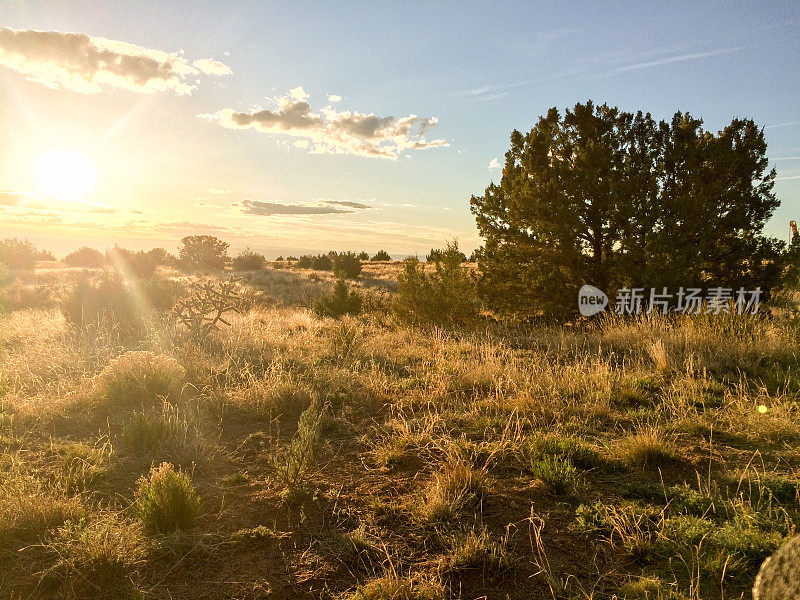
[(294, 127)]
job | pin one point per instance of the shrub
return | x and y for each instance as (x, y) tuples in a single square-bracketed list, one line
[(446, 296), (204, 305), (347, 264), (85, 257), (18, 255), (382, 256), (294, 461), (139, 377), (320, 262), (340, 302), (167, 434), (166, 500), (138, 265), (107, 302), (249, 261), (362, 256), (161, 257)]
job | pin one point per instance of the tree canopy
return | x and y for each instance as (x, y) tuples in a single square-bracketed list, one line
[(614, 199)]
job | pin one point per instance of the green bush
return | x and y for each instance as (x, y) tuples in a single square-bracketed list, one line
[(340, 302), (446, 296), (347, 264), (249, 261), (294, 461), (381, 256), (166, 500)]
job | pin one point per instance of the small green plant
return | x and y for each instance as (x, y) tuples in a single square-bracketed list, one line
[(341, 301), (166, 500), (347, 265), (294, 461), (556, 472), (392, 587)]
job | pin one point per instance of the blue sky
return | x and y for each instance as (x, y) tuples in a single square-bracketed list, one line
[(480, 69)]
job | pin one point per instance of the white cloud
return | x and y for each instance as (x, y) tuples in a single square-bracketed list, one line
[(334, 98), (90, 65), (334, 132), (495, 164), (209, 66)]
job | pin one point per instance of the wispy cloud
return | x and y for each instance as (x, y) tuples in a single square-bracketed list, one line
[(333, 132), (325, 207), (89, 65), (789, 177), (675, 59), (783, 125), (494, 164)]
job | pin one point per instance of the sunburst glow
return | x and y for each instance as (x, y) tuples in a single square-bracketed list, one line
[(65, 174)]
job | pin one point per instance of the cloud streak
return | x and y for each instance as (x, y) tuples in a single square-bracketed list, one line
[(334, 132), (321, 207), (90, 65)]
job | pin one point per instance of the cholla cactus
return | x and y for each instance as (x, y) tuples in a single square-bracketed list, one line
[(206, 303)]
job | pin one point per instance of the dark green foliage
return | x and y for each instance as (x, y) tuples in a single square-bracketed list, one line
[(363, 256), (382, 255), (203, 253), (18, 255), (613, 199), (320, 262), (85, 257), (347, 264), (249, 261), (437, 254), (340, 302), (445, 296)]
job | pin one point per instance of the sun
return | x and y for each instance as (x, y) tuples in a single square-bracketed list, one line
[(65, 174)]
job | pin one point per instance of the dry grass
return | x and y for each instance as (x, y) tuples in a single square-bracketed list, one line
[(661, 450)]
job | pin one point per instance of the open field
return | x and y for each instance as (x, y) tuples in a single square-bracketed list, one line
[(363, 458)]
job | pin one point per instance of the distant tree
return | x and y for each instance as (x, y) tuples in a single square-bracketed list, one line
[(85, 257), (604, 197), (203, 252), (363, 256), (291, 259), (445, 296), (45, 256), (347, 264), (382, 256), (132, 264), (249, 261), (18, 255), (475, 255), (279, 259), (161, 257), (437, 254)]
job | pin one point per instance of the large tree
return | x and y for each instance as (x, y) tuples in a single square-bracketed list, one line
[(615, 199), (203, 252)]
